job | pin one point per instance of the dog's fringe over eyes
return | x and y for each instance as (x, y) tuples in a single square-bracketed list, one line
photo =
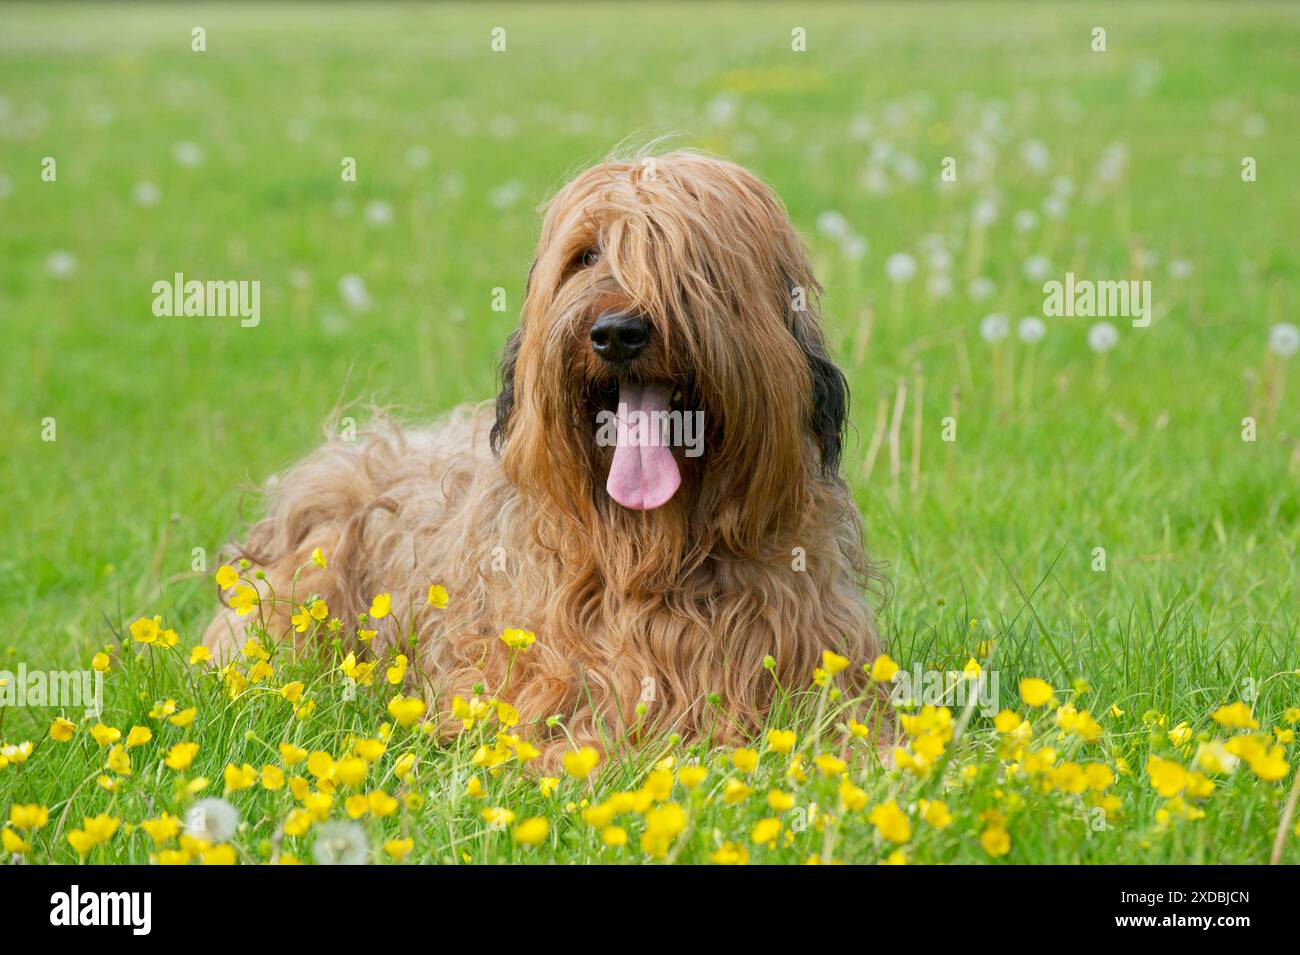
[(758, 553)]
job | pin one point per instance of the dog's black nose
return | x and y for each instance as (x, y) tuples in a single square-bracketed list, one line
[(619, 336)]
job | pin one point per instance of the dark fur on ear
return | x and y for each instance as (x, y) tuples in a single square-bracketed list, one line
[(506, 396), (830, 397), (830, 389)]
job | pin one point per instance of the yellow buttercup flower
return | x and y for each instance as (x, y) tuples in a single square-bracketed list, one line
[(780, 801), (765, 831), (399, 849), (891, 822), (996, 841), (852, 798), (200, 655), (1035, 692), (397, 672), (833, 663), (691, 776), (61, 730), (184, 718), (118, 761), (1167, 777), (829, 765), (181, 756), (100, 662), (227, 577), (580, 763), (244, 600), (162, 829), (28, 816), (729, 853), (531, 832), (734, 792), (14, 844), (405, 709), (883, 669), (935, 813), (381, 606), (1235, 716), (745, 760), (105, 735), (138, 736), (438, 597), (781, 741), (239, 777), (359, 673), (518, 639), (318, 558), (498, 817)]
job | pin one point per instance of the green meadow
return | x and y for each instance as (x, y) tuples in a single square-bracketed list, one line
[(1111, 511)]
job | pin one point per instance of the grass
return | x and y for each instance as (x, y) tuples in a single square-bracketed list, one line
[(160, 421)]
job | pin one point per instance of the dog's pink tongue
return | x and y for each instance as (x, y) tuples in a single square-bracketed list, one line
[(643, 475)]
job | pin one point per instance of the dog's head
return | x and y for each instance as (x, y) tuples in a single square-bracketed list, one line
[(670, 358)]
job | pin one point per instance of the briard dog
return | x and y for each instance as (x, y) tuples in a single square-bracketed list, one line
[(655, 493)]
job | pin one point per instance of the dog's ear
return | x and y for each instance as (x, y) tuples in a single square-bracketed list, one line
[(830, 398), (830, 389), (506, 396)]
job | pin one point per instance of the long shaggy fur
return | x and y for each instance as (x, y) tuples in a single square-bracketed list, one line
[(759, 553)]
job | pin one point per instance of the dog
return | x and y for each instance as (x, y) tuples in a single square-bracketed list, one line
[(658, 579)]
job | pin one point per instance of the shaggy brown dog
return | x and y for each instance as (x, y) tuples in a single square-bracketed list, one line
[(649, 574)]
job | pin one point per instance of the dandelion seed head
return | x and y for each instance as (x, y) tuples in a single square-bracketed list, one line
[(900, 267), (1031, 329), (1102, 337), (213, 819), (994, 328), (1284, 339), (340, 843)]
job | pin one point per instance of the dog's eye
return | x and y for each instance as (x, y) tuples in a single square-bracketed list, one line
[(590, 257)]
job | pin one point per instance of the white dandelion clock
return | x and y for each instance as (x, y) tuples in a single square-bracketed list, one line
[(61, 264), (1063, 186), (1031, 329), (980, 287), (506, 194), (854, 247), (146, 194), (417, 157), (900, 267), (352, 289), (938, 285), (984, 213), (1180, 269), (831, 223), (1102, 337), (1034, 154), (994, 328), (1026, 220), (1284, 339), (1055, 206), (1037, 267), (340, 843), (212, 820), (187, 153), (379, 213)]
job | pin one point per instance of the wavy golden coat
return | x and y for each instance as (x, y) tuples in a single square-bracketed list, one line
[(759, 552)]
